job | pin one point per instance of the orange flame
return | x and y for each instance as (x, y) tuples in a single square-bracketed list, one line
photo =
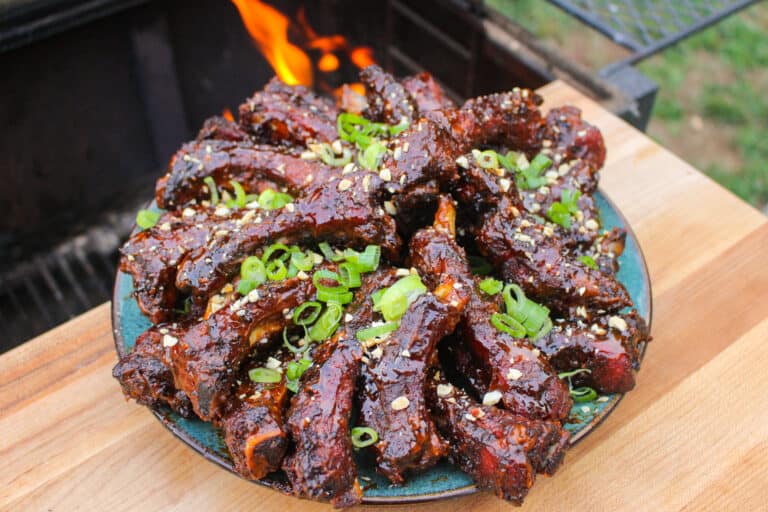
[(227, 114), (362, 57), (269, 30)]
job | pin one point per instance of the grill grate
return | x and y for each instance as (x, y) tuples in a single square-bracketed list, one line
[(648, 26), (51, 288)]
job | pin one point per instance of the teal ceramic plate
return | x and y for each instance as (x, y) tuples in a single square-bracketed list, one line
[(443, 480)]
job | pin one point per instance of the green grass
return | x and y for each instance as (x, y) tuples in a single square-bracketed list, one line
[(712, 106)]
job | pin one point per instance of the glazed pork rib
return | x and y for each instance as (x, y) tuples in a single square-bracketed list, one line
[(524, 253), (527, 383), (606, 345), (288, 115), (224, 160), (253, 421), (502, 452), (321, 465)]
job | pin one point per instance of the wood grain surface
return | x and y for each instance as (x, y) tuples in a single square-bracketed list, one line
[(693, 435)]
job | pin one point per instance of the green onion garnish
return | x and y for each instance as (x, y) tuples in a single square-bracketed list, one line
[(329, 253), (508, 324), (299, 316), (580, 394), (486, 159), (560, 212), (349, 275), (302, 260), (568, 375), (293, 372), (271, 200), (534, 317), (324, 275), (276, 248), (399, 127), (508, 161), (287, 344), (252, 273), (342, 296), (145, 219), (376, 331), (208, 180), (327, 155), (588, 261), (370, 157), (327, 324), (491, 286), (276, 270), (240, 199), (264, 375), (363, 436), (530, 177), (396, 299), (583, 394), (366, 261)]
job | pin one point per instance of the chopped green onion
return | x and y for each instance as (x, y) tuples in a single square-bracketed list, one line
[(145, 219), (276, 270), (208, 180), (272, 249), (366, 261), (491, 286), (287, 344), (540, 163), (298, 314), (349, 275), (327, 324), (240, 197), (583, 394), (253, 269), (508, 161), (486, 159), (376, 298), (327, 275), (560, 212), (342, 296), (264, 375), (329, 253), (568, 375), (271, 200), (479, 265), (359, 435), (531, 315), (302, 260), (588, 261), (376, 331), (293, 372), (245, 286), (250, 198), (507, 324), (396, 299), (370, 157)]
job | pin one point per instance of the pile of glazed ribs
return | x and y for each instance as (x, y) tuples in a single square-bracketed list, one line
[(427, 205)]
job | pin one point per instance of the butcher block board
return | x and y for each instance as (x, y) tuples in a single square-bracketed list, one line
[(693, 435)]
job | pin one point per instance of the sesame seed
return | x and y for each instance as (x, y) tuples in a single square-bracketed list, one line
[(617, 323), (492, 398), (302, 275), (344, 185), (390, 208), (290, 207), (444, 390), (400, 403), (165, 226), (504, 183), (169, 341), (514, 374), (405, 353), (462, 162), (385, 174), (188, 212), (272, 363)]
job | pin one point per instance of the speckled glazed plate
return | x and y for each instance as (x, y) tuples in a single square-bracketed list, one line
[(441, 481)]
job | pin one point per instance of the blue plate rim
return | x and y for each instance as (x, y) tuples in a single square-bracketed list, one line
[(215, 458)]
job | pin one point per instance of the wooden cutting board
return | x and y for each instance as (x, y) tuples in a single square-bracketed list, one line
[(693, 435)]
